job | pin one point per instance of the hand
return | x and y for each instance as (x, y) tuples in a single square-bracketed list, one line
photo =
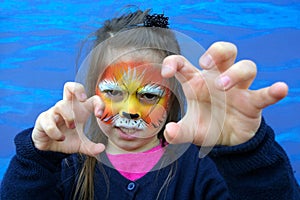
[(60, 128), (220, 107)]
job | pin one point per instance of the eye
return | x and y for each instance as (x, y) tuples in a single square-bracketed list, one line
[(148, 98), (114, 95)]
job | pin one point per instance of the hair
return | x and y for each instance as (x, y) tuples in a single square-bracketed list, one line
[(123, 36)]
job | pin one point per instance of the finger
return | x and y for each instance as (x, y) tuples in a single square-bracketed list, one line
[(192, 80), (47, 123), (270, 95), (177, 64), (63, 109), (83, 110), (240, 74), (95, 104), (220, 54), (72, 89)]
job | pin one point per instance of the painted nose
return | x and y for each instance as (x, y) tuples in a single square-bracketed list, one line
[(130, 116)]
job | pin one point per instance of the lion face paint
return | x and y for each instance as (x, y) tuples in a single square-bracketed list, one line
[(135, 96)]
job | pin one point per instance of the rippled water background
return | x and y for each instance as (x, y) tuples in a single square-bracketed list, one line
[(39, 42)]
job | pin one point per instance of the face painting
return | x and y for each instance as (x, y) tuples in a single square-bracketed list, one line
[(135, 95)]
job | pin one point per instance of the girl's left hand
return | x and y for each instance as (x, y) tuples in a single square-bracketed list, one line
[(220, 107)]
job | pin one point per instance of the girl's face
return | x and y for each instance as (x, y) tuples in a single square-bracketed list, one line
[(136, 102)]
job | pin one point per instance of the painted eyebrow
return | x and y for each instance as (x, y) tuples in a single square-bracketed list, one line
[(109, 85), (152, 89)]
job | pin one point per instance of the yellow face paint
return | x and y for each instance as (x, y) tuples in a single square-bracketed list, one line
[(135, 95)]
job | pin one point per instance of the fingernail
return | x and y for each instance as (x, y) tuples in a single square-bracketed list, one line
[(62, 138), (223, 82), (56, 118), (166, 70), (72, 125), (206, 61), (83, 97), (99, 112)]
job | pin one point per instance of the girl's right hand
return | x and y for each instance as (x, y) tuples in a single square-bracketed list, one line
[(60, 128)]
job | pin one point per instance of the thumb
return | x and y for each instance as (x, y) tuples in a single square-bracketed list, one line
[(92, 149), (194, 129), (88, 147), (174, 133), (187, 127)]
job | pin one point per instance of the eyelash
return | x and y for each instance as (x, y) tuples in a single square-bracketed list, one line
[(146, 98)]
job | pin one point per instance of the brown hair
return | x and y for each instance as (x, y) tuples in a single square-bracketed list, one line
[(119, 37)]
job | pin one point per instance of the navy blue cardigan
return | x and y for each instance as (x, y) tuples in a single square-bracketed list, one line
[(257, 169)]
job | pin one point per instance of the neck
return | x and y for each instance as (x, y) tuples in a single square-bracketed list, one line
[(111, 148)]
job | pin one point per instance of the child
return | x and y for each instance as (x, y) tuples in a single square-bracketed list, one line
[(133, 146)]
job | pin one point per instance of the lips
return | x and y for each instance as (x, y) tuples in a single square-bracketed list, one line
[(128, 131), (127, 134)]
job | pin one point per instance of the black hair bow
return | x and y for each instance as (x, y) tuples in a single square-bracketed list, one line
[(156, 20)]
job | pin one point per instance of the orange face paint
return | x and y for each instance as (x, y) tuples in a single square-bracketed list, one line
[(135, 95)]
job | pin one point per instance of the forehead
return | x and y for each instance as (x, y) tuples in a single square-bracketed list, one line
[(140, 71)]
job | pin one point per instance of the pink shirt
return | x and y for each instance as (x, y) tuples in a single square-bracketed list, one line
[(135, 165)]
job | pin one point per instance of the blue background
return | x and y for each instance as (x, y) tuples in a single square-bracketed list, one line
[(39, 42)]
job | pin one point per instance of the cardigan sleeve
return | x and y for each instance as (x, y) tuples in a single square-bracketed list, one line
[(32, 174), (257, 169)]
